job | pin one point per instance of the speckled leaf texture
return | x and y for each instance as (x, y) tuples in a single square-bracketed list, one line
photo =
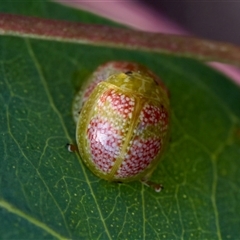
[(47, 192)]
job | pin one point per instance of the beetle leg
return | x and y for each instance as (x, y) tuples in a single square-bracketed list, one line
[(72, 147), (156, 186)]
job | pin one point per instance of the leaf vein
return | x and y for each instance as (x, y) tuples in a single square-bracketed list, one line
[(10, 208)]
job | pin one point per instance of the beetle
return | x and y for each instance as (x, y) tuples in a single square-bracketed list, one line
[(122, 115)]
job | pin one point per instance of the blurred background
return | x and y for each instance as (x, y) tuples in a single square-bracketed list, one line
[(217, 20), (210, 19)]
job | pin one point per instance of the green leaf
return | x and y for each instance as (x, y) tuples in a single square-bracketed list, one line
[(47, 192)]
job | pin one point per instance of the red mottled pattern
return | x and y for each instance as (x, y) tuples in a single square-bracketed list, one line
[(106, 138), (151, 115), (141, 153), (109, 68), (119, 102), (164, 117), (106, 70), (105, 141), (90, 88)]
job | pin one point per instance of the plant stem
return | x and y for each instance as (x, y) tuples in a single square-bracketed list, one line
[(56, 30)]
